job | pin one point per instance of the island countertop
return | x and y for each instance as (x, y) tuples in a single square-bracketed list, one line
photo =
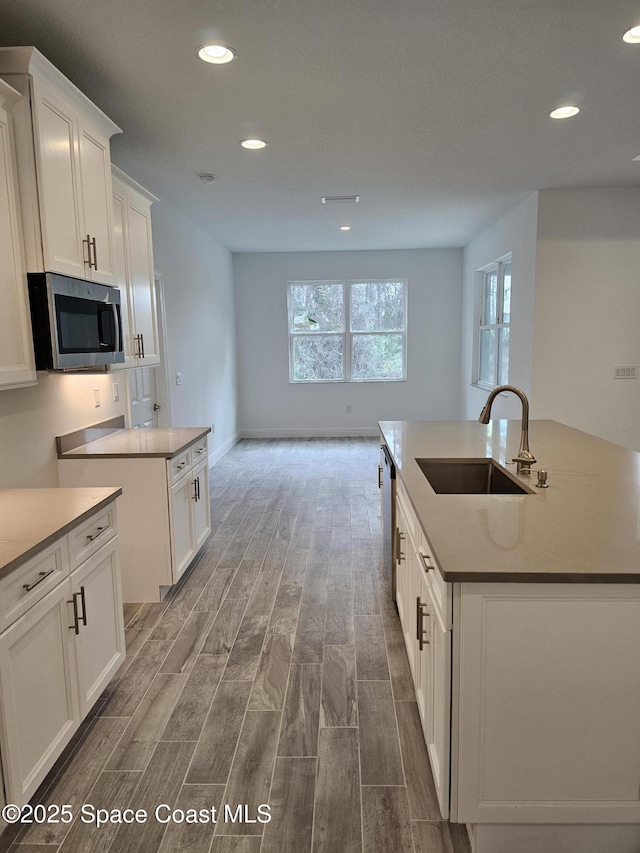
[(32, 518), (584, 528)]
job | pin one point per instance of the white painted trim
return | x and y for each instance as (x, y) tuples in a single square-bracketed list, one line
[(219, 452), (320, 432)]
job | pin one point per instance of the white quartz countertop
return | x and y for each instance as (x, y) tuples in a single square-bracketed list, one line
[(584, 527), (30, 519), (138, 442)]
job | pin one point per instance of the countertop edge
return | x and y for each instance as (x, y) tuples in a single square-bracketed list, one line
[(166, 454), (30, 552)]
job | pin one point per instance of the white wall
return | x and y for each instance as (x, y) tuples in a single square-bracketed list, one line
[(515, 233), (197, 276), (30, 419), (270, 405), (587, 311)]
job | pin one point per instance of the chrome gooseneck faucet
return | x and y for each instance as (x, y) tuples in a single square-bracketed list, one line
[(525, 459)]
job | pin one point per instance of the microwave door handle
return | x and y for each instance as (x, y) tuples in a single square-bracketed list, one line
[(117, 330), (108, 310)]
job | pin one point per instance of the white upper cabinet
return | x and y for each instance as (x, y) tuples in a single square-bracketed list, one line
[(133, 254), (64, 168), (17, 365)]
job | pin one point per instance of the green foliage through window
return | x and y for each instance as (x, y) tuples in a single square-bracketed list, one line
[(347, 330)]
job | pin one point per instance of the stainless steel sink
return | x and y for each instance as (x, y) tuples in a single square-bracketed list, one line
[(470, 477)]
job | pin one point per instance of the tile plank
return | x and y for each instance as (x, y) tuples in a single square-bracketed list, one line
[(423, 799), (292, 801), (371, 652), (194, 837), (385, 819), (190, 640), (338, 687), (336, 824), (301, 717), (252, 769), (223, 632), (379, 746), (215, 749), (270, 683), (245, 654), (309, 642), (191, 709)]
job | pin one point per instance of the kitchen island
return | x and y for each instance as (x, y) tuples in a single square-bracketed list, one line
[(521, 616)]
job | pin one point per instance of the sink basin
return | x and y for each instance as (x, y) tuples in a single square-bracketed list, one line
[(470, 477)]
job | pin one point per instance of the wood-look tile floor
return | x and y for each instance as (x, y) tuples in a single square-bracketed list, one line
[(275, 674)]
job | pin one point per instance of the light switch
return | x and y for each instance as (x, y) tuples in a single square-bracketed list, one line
[(178, 378)]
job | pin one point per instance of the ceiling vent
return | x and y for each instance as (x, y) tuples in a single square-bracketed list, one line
[(340, 199)]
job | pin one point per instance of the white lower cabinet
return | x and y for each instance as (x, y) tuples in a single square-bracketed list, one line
[(55, 660), (164, 512), (39, 699), (95, 586), (424, 603)]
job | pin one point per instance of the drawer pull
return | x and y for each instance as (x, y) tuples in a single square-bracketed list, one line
[(200, 450), (379, 476), (399, 539), (100, 531), (29, 586), (426, 559), (180, 466)]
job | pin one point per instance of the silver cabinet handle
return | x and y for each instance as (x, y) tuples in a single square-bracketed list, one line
[(400, 536), (421, 634), (141, 345), (200, 450), (77, 618), (180, 466), (101, 530), (379, 476), (426, 559), (195, 490), (29, 586), (95, 255)]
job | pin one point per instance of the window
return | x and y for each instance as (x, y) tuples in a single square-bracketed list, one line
[(347, 331), (492, 352)]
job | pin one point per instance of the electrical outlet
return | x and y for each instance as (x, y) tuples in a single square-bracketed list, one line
[(96, 397), (178, 378), (116, 392), (627, 371)]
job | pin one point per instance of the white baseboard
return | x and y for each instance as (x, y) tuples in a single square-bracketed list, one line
[(219, 452), (320, 432)]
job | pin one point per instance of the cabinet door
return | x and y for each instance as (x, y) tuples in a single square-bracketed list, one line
[(97, 204), (435, 689), (181, 520), (38, 698), (100, 642), (142, 283), (201, 506), (58, 185), (16, 349), (122, 279)]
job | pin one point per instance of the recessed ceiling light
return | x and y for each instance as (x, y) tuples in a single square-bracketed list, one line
[(632, 36), (564, 112), (345, 228), (207, 177), (218, 54), (253, 144)]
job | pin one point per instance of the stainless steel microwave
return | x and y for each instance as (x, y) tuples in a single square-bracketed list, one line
[(76, 323)]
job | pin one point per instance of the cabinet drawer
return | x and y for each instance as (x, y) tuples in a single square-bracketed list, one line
[(199, 450), (439, 589), (413, 528), (25, 586), (179, 465), (88, 537)]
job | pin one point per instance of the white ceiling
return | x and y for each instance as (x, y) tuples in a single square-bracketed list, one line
[(434, 111)]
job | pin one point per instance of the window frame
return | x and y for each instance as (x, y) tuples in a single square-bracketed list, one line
[(347, 334), (480, 326)]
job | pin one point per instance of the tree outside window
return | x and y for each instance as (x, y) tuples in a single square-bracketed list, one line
[(352, 331)]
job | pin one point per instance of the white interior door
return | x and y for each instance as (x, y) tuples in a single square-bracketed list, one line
[(143, 405)]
